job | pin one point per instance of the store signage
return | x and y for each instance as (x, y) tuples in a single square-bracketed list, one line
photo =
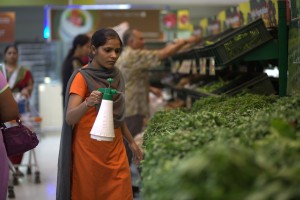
[(233, 18), (7, 26), (213, 26), (169, 20), (183, 21), (65, 24), (265, 9), (243, 14)]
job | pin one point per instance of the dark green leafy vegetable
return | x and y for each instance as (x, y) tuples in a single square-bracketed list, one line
[(243, 147)]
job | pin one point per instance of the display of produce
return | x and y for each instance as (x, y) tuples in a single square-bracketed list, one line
[(210, 87), (233, 144), (228, 143), (222, 61), (241, 147)]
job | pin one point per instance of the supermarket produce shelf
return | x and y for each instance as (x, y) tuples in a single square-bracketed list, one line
[(231, 45)]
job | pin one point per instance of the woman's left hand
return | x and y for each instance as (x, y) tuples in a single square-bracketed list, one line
[(137, 153)]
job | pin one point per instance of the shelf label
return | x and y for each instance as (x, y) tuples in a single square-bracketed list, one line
[(202, 62), (212, 66), (188, 101)]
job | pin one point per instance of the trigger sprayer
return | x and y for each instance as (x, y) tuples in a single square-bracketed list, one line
[(103, 127)]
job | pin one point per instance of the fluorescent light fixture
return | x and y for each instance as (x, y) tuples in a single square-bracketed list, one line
[(47, 80), (46, 32), (106, 7)]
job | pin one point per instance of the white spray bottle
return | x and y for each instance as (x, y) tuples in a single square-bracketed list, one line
[(103, 128)]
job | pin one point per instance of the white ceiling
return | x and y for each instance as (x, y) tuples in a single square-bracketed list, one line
[(198, 8)]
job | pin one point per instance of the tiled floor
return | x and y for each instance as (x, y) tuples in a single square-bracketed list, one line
[(46, 154)]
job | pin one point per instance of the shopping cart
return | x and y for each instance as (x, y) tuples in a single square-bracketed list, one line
[(31, 119), (10, 189)]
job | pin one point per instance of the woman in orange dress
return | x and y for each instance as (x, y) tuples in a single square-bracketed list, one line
[(90, 169)]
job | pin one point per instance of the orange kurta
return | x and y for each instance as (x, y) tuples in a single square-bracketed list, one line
[(100, 169)]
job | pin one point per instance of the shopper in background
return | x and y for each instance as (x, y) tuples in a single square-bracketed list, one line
[(76, 58), (134, 63), (19, 78), (8, 111), (20, 81), (87, 168)]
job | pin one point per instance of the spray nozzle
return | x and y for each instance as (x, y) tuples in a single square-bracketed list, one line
[(108, 92)]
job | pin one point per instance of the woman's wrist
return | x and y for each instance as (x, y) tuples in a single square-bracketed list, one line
[(86, 103)]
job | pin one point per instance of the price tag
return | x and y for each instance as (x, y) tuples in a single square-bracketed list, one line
[(175, 67), (212, 66), (194, 67), (185, 67), (188, 101), (202, 62), (175, 95)]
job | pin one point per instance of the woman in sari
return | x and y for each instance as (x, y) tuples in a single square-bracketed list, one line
[(20, 81), (19, 78)]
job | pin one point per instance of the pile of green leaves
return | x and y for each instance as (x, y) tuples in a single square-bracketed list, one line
[(243, 147), (212, 86)]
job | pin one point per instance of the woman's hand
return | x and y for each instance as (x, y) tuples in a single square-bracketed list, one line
[(137, 153), (78, 106), (25, 92), (94, 98)]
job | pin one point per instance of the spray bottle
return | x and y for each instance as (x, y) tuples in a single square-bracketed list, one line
[(103, 127)]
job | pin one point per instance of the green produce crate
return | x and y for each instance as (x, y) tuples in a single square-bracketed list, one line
[(206, 51), (261, 84), (240, 42), (235, 82), (189, 54)]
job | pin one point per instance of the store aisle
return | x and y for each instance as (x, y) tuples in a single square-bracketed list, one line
[(47, 154)]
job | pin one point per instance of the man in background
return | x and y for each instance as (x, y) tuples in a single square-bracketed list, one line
[(134, 62)]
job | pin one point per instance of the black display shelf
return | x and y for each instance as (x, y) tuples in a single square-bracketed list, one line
[(241, 41), (232, 44), (258, 83)]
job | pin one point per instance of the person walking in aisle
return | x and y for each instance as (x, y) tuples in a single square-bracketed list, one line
[(8, 111), (21, 82), (134, 63), (87, 168), (74, 59)]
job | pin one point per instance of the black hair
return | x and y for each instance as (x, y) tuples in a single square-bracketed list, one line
[(79, 40), (101, 36), (8, 47)]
